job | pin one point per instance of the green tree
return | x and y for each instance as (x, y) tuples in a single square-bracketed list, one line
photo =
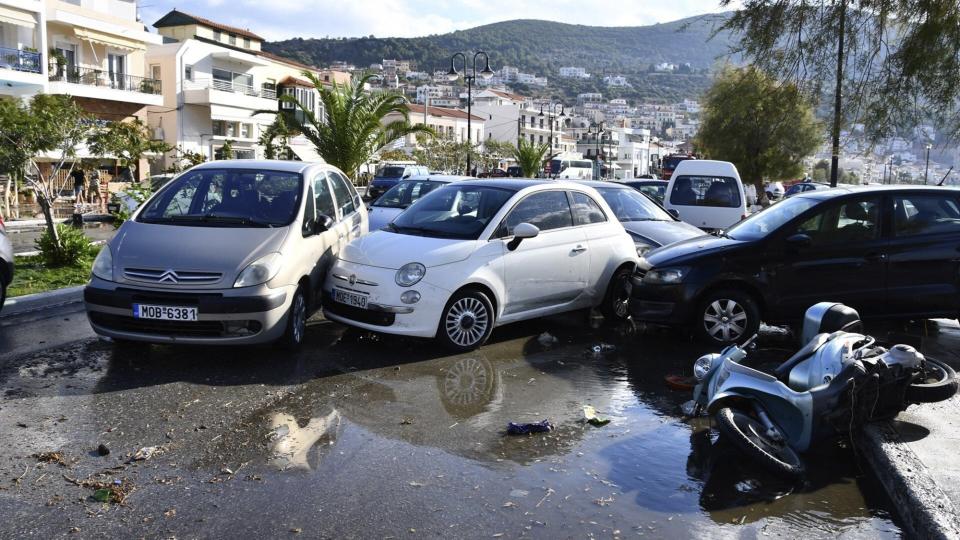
[(821, 171), (889, 64), (183, 160), (493, 153), (46, 125), (275, 139), (353, 125), (764, 127), (530, 157), (394, 155), (226, 151), (127, 141), (441, 153)]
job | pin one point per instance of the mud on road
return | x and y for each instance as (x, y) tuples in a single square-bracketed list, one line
[(359, 436)]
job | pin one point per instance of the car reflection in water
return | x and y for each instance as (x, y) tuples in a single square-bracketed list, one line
[(292, 444)]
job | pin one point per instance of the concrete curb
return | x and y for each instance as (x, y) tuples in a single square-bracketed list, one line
[(32, 253), (19, 224), (925, 509), (19, 305)]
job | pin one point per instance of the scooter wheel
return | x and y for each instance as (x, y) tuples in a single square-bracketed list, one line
[(749, 436), (938, 382)]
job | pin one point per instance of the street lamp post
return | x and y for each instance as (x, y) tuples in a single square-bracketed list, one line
[(551, 116), (926, 171), (453, 75), (597, 133)]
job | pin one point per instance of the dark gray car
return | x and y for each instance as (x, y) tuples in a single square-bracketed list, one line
[(6, 263)]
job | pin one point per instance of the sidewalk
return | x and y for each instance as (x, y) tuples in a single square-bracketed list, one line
[(915, 456)]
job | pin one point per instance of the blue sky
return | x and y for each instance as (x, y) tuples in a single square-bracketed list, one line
[(280, 19)]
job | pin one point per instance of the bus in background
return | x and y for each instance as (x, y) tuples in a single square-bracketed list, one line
[(670, 162)]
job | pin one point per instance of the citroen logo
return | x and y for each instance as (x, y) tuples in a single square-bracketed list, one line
[(353, 279), (169, 277)]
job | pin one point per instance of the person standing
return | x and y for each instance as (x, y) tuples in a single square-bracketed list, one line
[(93, 191), (79, 181)]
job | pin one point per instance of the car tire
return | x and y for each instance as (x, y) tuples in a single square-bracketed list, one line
[(466, 321), (616, 303), (726, 316), (292, 337), (3, 293)]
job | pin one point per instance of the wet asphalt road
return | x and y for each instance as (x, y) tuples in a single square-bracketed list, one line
[(364, 437)]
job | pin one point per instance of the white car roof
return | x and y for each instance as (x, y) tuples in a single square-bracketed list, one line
[(446, 178), (706, 166), (263, 164)]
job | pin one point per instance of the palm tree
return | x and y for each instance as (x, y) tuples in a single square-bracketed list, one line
[(352, 126), (529, 157)]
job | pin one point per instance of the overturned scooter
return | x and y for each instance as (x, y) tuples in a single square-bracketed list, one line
[(839, 380)]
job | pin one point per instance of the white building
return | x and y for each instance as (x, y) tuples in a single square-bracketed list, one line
[(573, 72), (510, 117), (216, 77), (616, 81), (448, 123)]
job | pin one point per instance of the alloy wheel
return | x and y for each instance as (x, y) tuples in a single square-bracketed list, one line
[(725, 320), (467, 321)]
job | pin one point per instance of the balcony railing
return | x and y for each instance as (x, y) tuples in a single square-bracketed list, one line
[(18, 60), (236, 88), (100, 77)]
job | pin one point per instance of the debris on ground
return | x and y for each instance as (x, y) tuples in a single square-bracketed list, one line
[(103, 450), (514, 428), (603, 348), (51, 457), (115, 491), (406, 422), (590, 417), (146, 453), (519, 493), (547, 339), (680, 383)]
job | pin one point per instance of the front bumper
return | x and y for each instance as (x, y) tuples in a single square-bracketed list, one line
[(225, 317), (661, 304), (384, 312)]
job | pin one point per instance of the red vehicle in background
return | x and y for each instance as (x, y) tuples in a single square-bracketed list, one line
[(669, 163)]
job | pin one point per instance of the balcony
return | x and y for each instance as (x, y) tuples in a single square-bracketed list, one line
[(101, 84), (18, 60), (229, 93)]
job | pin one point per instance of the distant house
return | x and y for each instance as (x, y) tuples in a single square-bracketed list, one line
[(573, 72), (448, 123)]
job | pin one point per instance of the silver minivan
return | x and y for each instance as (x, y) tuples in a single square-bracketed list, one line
[(229, 252)]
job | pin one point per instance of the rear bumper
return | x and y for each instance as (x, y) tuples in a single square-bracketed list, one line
[(224, 317)]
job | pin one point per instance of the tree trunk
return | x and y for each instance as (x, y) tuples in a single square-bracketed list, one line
[(6, 196), (48, 217), (837, 100)]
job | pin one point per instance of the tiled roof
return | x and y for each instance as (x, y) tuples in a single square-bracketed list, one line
[(509, 95), (286, 60), (416, 108), (179, 18)]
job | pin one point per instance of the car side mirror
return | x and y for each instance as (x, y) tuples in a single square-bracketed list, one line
[(799, 240), (522, 232), (406, 176), (673, 212), (323, 224)]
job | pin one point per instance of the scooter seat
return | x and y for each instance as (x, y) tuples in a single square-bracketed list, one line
[(782, 372)]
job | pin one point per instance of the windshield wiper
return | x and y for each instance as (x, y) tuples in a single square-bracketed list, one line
[(419, 231), (213, 218)]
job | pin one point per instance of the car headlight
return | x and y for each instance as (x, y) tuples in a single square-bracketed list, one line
[(410, 274), (642, 248), (103, 264), (703, 364), (665, 276), (259, 271)]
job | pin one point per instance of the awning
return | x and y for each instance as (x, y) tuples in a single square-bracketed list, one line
[(17, 17), (307, 153), (109, 40)]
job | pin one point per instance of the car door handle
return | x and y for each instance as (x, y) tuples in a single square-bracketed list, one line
[(876, 257), (579, 249)]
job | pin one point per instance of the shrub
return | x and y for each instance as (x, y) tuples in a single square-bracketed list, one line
[(74, 247), (136, 193)]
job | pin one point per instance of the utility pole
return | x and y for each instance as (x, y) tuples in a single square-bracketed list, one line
[(926, 171), (837, 100)]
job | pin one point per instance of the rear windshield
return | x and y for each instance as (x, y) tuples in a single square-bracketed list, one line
[(713, 191), (404, 194), (671, 162), (227, 198), (630, 205), (453, 211), (391, 172)]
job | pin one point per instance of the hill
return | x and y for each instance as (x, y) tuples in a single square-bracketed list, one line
[(542, 47)]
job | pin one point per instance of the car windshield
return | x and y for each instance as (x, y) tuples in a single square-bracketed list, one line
[(227, 198), (404, 194), (391, 172), (452, 211), (629, 205), (772, 218)]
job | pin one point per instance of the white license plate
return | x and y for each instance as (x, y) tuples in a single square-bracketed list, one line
[(164, 313), (350, 299)]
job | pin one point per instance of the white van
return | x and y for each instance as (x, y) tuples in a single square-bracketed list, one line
[(708, 194), (577, 169)]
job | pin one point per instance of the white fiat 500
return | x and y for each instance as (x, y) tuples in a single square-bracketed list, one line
[(473, 255)]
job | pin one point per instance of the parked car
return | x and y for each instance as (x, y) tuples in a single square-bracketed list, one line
[(707, 193), (157, 181), (402, 195), (389, 174), (650, 225), (474, 255), (6, 263), (886, 251), (774, 190), (494, 173), (654, 188), (514, 171), (229, 252), (804, 187)]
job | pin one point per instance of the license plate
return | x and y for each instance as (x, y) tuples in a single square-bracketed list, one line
[(164, 313), (350, 299)]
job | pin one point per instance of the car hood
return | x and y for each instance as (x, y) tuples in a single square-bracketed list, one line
[(384, 249), (662, 233), (224, 250), (687, 250), (381, 215)]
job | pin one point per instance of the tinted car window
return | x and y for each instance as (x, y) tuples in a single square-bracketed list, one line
[(925, 214), (227, 197), (341, 192), (323, 197), (629, 205), (846, 222), (586, 210), (547, 210), (715, 191), (404, 194), (391, 172), (453, 211)]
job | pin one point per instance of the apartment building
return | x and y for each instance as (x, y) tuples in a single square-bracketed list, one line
[(23, 65), (574, 72), (447, 123), (511, 117), (220, 86)]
